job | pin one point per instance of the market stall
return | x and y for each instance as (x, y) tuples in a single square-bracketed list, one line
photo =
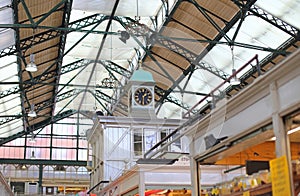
[(261, 123)]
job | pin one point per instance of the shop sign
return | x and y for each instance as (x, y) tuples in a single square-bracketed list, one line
[(280, 177)]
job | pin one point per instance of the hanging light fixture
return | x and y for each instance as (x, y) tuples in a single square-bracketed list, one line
[(124, 36), (32, 155), (32, 139), (31, 66), (135, 28), (234, 80), (32, 113)]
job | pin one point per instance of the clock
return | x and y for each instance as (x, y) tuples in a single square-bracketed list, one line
[(143, 96)]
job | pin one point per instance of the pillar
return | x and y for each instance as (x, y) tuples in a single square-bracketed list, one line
[(40, 191), (282, 144), (195, 174), (141, 182)]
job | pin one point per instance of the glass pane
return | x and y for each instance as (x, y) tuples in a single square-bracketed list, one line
[(137, 144), (64, 154)]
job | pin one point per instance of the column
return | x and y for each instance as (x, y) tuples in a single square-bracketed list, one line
[(40, 191), (282, 144), (195, 175), (141, 182)]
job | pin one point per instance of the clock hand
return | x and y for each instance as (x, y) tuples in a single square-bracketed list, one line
[(143, 97)]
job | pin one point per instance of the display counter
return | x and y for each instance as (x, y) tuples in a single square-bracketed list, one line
[(266, 189), (260, 190)]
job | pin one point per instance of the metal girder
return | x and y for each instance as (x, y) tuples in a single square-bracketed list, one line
[(262, 63), (61, 48), (42, 105), (112, 82), (75, 65), (165, 4), (43, 16), (190, 56), (10, 91), (103, 106), (108, 99), (253, 70), (114, 102), (68, 94), (108, 25), (191, 92), (39, 125), (122, 71), (239, 44), (20, 76), (54, 33), (137, 29), (51, 74), (282, 25), (86, 21), (101, 95), (128, 21), (8, 119), (116, 68), (67, 104), (28, 42), (198, 58), (160, 92), (206, 66), (63, 29), (43, 162), (210, 20)]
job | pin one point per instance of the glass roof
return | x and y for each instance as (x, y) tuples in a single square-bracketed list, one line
[(253, 32), (287, 11)]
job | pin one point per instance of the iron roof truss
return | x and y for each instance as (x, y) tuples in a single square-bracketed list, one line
[(50, 76)]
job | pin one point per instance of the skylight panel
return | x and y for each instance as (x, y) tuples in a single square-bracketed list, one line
[(287, 10)]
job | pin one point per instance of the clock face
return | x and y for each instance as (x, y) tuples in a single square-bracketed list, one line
[(143, 96)]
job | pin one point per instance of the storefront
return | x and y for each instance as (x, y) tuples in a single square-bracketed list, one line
[(260, 137)]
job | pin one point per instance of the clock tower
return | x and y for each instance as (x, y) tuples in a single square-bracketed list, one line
[(141, 95)]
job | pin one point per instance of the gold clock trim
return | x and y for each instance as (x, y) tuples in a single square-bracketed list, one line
[(143, 96)]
